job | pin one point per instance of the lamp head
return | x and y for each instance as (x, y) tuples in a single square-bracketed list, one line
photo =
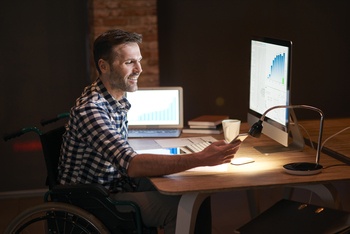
[(256, 129)]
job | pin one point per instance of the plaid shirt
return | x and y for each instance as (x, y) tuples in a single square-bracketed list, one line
[(95, 147)]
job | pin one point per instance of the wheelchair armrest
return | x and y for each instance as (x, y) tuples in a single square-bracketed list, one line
[(91, 189)]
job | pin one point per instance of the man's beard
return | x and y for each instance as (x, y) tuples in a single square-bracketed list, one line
[(121, 83)]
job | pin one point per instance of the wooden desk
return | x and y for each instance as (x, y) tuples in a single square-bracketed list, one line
[(265, 172), (338, 146)]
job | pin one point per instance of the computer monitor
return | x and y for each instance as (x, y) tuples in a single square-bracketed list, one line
[(270, 85)]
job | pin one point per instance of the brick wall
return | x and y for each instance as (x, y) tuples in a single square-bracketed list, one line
[(138, 16)]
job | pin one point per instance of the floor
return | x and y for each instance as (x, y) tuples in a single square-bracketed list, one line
[(230, 210), (10, 207)]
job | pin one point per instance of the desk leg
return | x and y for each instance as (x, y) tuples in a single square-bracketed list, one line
[(187, 212), (253, 202)]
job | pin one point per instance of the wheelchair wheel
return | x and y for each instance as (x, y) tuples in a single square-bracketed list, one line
[(56, 217)]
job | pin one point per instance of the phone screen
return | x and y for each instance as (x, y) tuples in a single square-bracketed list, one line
[(240, 137)]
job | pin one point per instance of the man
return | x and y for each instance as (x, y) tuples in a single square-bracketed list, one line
[(95, 147)]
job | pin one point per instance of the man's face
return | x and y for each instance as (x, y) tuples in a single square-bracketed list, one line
[(125, 67)]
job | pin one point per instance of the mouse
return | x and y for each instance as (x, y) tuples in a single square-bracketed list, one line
[(241, 161)]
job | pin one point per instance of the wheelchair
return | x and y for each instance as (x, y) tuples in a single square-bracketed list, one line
[(78, 208)]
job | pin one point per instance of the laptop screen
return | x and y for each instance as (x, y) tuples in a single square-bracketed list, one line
[(156, 107)]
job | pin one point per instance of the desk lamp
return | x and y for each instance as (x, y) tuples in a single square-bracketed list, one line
[(297, 168)]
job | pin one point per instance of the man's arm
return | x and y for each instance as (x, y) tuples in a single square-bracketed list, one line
[(144, 165)]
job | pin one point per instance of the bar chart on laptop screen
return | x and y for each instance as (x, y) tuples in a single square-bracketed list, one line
[(154, 107)]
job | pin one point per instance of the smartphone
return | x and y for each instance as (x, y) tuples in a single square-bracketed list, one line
[(240, 137)]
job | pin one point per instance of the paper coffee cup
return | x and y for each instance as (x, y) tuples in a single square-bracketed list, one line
[(231, 128)]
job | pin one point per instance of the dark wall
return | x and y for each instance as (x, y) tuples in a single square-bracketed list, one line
[(205, 47), (43, 68)]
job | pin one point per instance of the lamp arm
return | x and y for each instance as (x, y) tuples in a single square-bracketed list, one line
[(318, 150)]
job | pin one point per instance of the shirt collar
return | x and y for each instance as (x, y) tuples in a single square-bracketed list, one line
[(122, 104)]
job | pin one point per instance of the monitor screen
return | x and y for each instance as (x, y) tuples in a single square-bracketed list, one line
[(270, 81)]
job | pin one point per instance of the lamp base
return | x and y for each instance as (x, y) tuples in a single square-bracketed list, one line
[(303, 168)]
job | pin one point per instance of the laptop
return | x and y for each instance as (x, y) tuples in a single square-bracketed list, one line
[(155, 112)]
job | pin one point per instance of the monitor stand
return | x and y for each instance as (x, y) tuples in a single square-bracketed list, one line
[(295, 142)]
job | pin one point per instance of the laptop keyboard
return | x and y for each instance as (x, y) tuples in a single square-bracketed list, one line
[(154, 132)]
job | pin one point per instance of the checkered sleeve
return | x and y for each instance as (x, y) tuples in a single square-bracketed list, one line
[(96, 149), (104, 132)]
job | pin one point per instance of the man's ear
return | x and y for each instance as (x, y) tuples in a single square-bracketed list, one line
[(103, 65)]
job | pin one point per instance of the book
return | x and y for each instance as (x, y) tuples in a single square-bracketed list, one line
[(203, 126), (207, 120), (202, 130)]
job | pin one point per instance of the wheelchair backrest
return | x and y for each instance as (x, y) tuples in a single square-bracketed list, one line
[(51, 144)]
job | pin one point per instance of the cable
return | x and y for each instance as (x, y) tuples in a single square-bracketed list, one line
[(324, 142), (335, 134), (308, 135)]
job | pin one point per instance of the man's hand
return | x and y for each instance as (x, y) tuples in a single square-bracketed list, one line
[(218, 152)]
